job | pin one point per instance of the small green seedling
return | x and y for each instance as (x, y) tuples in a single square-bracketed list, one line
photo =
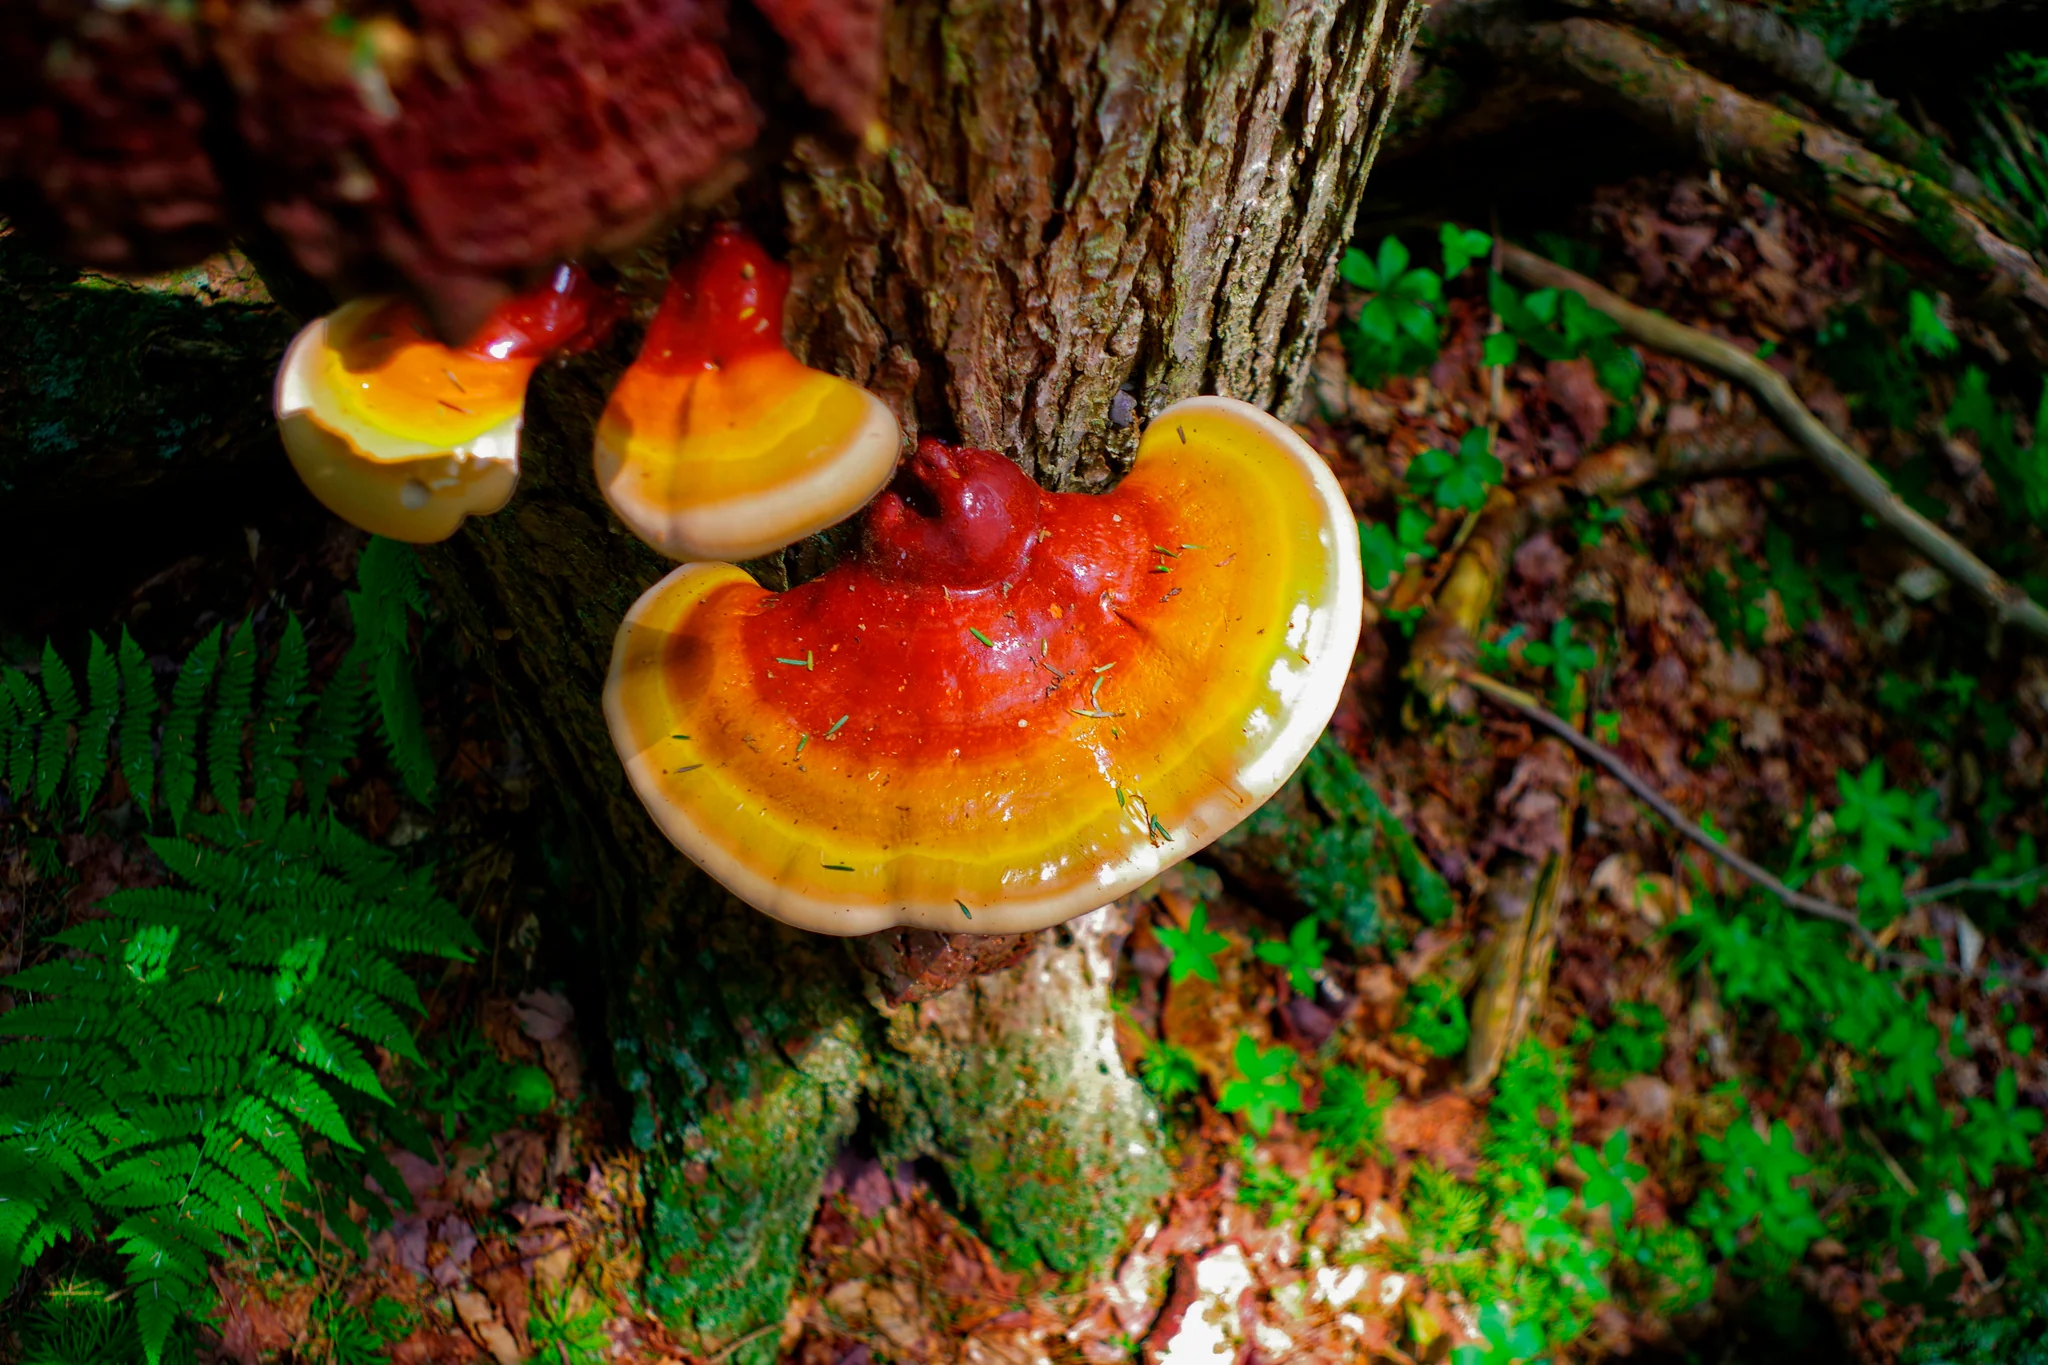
[(1566, 658), (1403, 301), (1610, 1177), (1461, 247), (1457, 481), (1504, 1341), (1301, 954), (1631, 1046), (1757, 1194), (1387, 552), (1267, 1088), (1436, 1018), (1193, 949), (1925, 329), (1348, 1116), (1168, 1071)]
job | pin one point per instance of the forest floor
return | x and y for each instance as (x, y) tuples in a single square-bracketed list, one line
[(1751, 644)]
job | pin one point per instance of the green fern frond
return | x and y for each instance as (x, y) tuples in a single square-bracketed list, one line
[(181, 730), (336, 725), (160, 1077), (163, 1073), (29, 713), (103, 686), (277, 725), (229, 718), (139, 705), (53, 747), (392, 585)]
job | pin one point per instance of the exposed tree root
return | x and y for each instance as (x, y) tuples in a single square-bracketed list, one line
[(1524, 901), (1799, 61), (1915, 215), (2008, 603)]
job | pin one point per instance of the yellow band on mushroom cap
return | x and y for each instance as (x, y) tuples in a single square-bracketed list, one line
[(736, 462)]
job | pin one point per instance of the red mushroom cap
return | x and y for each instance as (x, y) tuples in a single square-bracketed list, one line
[(1012, 706), (718, 443)]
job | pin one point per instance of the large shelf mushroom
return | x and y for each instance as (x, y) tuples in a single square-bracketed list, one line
[(720, 444), (404, 437), (1012, 706)]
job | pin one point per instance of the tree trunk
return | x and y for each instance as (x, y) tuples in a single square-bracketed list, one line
[(1087, 211)]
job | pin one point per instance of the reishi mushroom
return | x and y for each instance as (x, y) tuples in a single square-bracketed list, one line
[(720, 444), (1010, 706), (402, 436)]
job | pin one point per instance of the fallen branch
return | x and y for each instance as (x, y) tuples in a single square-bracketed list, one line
[(1799, 61), (1910, 213), (1777, 398), (1611, 763)]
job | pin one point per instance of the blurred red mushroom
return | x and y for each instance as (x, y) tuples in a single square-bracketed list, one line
[(448, 147)]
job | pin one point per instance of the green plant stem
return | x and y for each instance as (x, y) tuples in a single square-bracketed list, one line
[(1520, 702), (2008, 603)]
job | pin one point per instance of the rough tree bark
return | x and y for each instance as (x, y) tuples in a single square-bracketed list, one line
[(1085, 212)]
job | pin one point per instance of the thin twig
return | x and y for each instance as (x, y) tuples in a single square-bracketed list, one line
[(1777, 398), (1990, 885), (1594, 752), (1526, 706), (737, 1344)]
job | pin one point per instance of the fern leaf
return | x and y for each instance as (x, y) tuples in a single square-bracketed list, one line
[(305, 1099), (103, 686), (181, 730), (30, 717), (17, 731), (277, 725), (153, 1178), (361, 1013), (139, 704), (230, 716), (249, 1165), (271, 1131), (390, 585), (377, 974), (166, 1265), (336, 724), (405, 735), (389, 582), (53, 747), (321, 1048)]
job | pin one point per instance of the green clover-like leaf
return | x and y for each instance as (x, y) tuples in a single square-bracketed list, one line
[(1192, 950)]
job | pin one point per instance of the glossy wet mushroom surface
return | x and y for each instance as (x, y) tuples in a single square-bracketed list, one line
[(1011, 706), (718, 443)]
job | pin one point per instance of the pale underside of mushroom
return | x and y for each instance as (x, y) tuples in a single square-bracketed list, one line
[(384, 480)]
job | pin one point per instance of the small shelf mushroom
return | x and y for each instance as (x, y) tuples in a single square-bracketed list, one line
[(1011, 706), (718, 443), (402, 436)]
